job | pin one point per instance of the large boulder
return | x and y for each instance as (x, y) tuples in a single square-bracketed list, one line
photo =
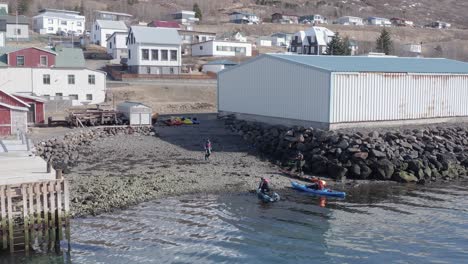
[(377, 154), (403, 176), (384, 169), (336, 171)]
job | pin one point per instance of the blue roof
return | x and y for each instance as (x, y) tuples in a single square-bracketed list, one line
[(221, 62), (377, 64)]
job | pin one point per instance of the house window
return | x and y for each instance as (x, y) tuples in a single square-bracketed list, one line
[(107, 36), (129, 54), (19, 60), (110, 45), (58, 95), (51, 21), (47, 96), (73, 96), (71, 79), (155, 54), (18, 31), (145, 54), (173, 55), (43, 60), (89, 97), (78, 24), (63, 22), (171, 70), (164, 55), (219, 48), (50, 28), (46, 79), (148, 70), (201, 47), (91, 79)]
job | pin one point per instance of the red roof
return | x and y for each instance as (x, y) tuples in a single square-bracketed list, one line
[(164, 24)]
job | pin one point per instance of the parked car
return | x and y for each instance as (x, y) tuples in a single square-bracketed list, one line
[(61, 33), (73, 33)]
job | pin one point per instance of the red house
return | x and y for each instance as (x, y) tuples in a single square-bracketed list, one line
[(36, 113), (13, 114), (31, 58)]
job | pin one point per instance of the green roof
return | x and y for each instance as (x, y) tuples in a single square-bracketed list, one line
[(69, 58), (377, 64)]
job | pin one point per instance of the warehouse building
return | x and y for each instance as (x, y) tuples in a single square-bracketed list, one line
[(333, 92)]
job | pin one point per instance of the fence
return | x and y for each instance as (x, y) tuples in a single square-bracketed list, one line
[(34, 213), (117, 74)]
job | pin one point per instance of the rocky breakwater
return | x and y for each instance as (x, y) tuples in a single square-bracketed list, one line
[(407, 155), (63, 153)]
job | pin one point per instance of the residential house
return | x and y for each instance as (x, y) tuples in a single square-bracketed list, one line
[(313, 19), (13, 114), (51, 21), (222, 48), (353, 47), (379, 21), (3, 9), (164, 24), (264, 42), (233, 36), (51, 73), (350, 20), (440, 25), (185, 17), (218, 65), (243, 18), (284, 18), (411, 50), (400, 22), (112, 16), (154, 50), (117, 46), (15, 27), (281, 39), (312, 41), (190, 37), (103, 29)]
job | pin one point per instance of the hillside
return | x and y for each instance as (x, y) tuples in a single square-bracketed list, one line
[(422, 11)]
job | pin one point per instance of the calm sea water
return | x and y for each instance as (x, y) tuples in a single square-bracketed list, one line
[(399, 224)]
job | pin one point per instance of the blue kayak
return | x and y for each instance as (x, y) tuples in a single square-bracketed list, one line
[(325, 192), (267, 198)]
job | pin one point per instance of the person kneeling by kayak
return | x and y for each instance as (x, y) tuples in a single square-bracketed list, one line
[(264, 185), (317, 184)]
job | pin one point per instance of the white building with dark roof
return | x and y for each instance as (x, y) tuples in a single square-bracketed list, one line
[(154, 50), (117, 45), (51, 21), (103, 29)]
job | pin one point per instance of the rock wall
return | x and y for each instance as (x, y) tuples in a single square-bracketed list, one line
[(63, 153), (418, 155)]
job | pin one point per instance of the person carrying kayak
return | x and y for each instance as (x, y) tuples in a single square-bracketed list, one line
[(207, 149), (317, 184), (264, 185)]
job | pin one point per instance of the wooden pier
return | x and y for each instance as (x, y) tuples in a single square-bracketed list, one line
[(34, 215)]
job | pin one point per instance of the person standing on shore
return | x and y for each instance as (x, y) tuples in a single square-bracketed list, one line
[(207, 149), (299, 162)]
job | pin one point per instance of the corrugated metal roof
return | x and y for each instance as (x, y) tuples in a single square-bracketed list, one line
[(109, 24), (377, 64), (156, 35), (221, 62), (12, 19), (63, 15), (164, 24)]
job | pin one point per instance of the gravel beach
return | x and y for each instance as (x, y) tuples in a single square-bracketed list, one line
[(123, 170)]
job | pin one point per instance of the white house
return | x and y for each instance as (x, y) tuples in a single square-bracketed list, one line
[(154, 50), (440, 25), (350, 20), (64, 74), (233, 36), (51, 21), (103, 29), (379, 21), (218, 65), (185, 17), (243, 18), (313, 19), (281, 39), (117, 45), (312, 41), (15, 28), (264, 42), (222, 48), (113, 16)]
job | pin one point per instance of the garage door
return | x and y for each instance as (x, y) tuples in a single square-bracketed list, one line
[(134, 119)]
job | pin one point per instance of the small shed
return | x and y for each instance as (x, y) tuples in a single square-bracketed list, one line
[(137, 114), (218, 65), (36, 113), (13, 114)]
